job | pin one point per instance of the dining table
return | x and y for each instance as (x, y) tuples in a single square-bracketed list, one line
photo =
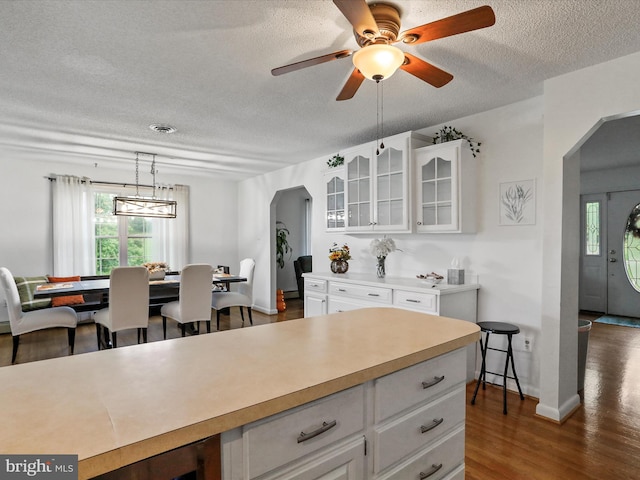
[(100, 286)]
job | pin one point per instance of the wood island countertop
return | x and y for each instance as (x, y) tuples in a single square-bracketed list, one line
[(115, 407)]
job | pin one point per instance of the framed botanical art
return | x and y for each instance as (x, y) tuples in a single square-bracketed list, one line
[(518, 202)]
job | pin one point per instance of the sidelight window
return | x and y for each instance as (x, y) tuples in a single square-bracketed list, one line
[(592, 228)]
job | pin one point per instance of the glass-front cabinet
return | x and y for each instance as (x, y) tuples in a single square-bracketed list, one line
[(335, 208), (377, 193), (445, 187)]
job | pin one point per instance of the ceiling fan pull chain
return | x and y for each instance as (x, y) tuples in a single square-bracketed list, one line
[(382, 116), (377, 115)]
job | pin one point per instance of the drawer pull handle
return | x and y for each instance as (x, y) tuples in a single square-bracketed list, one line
[(325, 426), (341, 290), (434, 469), (434, 424), (315, 285), (435, 381), (412, 300), (373, 294)]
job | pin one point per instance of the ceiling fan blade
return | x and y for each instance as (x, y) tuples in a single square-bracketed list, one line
[(310, 62), (474, 19), (351, 87), (359, 15), (425, 71)]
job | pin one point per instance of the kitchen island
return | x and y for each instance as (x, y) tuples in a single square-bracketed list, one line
[(116, 407)]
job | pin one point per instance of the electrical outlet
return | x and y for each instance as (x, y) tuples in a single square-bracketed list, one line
[(528, 344)]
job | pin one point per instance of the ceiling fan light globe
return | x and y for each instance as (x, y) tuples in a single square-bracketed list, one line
[(375, 61)]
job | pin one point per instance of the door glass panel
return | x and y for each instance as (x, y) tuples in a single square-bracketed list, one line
[(395, 214), (352, 168), (429, 170), (396, 185), (340, 201), (592, 228), (339, 185), (395, 161), (443, 167), (353, 215), (444, 214), (353, 191), (331, 202), (631, 248), (383, 162), (383, 188), (428, 192), (444, 191), (331, 185), (383, 213), (364, 190), (364, 215), (363, 164), (429, 215)]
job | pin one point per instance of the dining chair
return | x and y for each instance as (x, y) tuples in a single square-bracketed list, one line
[(25, 322), (193, 304), (128, 305), (243, 297)]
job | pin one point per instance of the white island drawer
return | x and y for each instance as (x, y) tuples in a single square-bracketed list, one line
[(362, 292), (409, 433), (313, 285), (434, 462), (418, 384), (283, 438), (425, 302)]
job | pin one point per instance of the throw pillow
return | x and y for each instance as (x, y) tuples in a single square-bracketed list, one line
[(68, 299), (26, 287)]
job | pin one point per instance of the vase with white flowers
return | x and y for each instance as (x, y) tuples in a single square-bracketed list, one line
[(380, 248)]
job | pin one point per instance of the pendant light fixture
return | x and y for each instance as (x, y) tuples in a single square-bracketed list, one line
[(144, 206), (378, 61)]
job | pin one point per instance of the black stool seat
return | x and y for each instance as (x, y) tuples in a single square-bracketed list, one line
[(497, 328)]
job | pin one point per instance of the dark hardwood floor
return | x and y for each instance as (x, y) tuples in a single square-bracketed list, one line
[(599, 441)]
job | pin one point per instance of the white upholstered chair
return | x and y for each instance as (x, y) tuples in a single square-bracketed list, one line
[(193, 305), (128, 304), (25, 322), (243, 297)]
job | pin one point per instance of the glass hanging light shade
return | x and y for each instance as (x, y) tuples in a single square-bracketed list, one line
[(138, 206), (378, 61)]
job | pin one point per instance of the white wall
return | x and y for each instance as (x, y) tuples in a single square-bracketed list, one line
[(25, 210), (574, 105), (506, 259)]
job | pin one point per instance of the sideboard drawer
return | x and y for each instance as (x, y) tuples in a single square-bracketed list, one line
[(286, 437), (438, 460), (411, 386), (409, 433), (363, 292), (424, 302), (313, 285)]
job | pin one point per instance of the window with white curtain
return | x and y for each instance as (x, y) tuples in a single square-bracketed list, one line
[(107, 240)]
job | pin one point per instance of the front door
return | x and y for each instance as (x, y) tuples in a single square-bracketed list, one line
[(623, 255)]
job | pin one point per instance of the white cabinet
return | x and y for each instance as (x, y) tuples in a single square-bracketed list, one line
[(351, 291), (377, 185), (315, 297), (445, 188), (408, 424), (335, 207)]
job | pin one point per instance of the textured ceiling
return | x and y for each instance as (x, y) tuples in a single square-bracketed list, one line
[(84, 79)]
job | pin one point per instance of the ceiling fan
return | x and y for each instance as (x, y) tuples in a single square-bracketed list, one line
[(376, 28)]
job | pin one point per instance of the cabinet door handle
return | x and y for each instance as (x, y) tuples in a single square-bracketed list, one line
[(325, 426), (412, 300), (373, 294), (434, 424), (435, 381), (434, 468), (419, 223)]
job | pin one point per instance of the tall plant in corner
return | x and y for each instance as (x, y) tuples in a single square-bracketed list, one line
[(282, 243)]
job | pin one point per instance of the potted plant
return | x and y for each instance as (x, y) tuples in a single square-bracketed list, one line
[(282, 244), (448, 134), (335, 161), (339, 257)]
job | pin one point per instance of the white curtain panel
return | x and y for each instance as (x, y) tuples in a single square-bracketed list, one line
[(73, 231), (172, 243)]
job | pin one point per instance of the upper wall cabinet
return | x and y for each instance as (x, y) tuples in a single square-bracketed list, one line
[(445, 188), (377, 193), (334, 182)]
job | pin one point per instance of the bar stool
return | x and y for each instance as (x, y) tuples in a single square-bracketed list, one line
[(498, 328)]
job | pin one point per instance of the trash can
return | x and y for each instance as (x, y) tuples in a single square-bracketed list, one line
[(584, 327)]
